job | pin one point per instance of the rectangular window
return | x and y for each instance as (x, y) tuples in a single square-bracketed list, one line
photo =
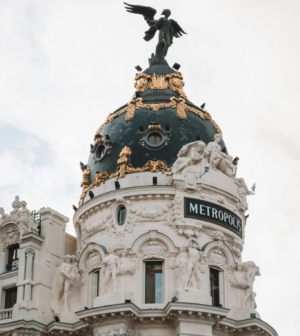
[(214, 286), (154, 282), (10, 297)]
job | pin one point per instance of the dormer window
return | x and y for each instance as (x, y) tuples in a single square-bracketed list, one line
[(13, 258)]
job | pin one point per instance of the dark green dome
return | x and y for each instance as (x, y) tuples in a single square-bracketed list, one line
[(144, 144)]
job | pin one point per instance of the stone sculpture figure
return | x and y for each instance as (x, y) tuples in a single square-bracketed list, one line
[(167, 28), (65, 288), (3, 216), (250, 271), (187, 266), (219, 160), (180, 269), (193, 154), (26, 220), (125, 270), (243, 192), (111, 263), (192, 263)]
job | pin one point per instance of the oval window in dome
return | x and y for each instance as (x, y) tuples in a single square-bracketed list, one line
[(154, 139), (100, 152), (121, 215)]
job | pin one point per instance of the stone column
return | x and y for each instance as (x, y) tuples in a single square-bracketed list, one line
[(28, 272)]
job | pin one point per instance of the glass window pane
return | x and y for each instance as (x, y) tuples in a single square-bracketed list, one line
[(10, 297), (153, 282), (148, 289), (158, 288), (121, 215)]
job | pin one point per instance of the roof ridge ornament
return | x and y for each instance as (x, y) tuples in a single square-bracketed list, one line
[(168, 28)]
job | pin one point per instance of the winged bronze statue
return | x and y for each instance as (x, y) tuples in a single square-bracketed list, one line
[(167, 28)]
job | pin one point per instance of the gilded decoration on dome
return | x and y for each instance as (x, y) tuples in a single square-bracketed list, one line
[(178, 103), (174, 81), (158, 83), (142, 81), (124, 167)]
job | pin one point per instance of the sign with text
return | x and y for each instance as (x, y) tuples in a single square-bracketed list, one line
[(197, 209)]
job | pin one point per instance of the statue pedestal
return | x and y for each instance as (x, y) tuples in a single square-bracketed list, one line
[(68, 317), (111, 299), (194, 297), (241, 313)]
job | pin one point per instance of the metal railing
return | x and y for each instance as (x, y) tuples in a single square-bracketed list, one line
[(13, 266), (6, 314)]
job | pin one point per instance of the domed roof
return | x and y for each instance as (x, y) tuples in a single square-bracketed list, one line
[(155, 124)]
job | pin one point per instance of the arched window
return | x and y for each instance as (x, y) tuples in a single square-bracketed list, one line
[(121, 215), (13, 258)]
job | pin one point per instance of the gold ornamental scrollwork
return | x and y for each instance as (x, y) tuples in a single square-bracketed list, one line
[(142, 81), (178, 103), (124, 167), (174, 81)]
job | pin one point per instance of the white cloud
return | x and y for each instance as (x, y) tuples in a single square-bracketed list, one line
[(65, 65)]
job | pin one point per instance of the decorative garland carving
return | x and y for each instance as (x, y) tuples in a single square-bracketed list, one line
[(178, 103)]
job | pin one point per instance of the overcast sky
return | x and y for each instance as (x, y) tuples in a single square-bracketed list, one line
[(65, 65)]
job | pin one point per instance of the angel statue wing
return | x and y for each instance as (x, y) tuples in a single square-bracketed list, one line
[(148, 14), (177, 30)]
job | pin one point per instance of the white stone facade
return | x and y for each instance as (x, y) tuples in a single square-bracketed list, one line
[(186, 232)]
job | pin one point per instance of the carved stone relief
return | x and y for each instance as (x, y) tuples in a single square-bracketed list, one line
[(243, 278), (216, 257), (21, 215), (10, 237), (188, 267), (118, 269), (66, 287)]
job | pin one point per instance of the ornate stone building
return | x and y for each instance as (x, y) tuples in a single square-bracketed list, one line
[(160, 231)]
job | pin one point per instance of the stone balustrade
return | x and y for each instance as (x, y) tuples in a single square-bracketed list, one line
[(5, 314)]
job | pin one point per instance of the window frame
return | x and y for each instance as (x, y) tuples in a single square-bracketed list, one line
[(10, 290), (10, 257), (92, 285), (119, 209), (220, 286), (145, 282)]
